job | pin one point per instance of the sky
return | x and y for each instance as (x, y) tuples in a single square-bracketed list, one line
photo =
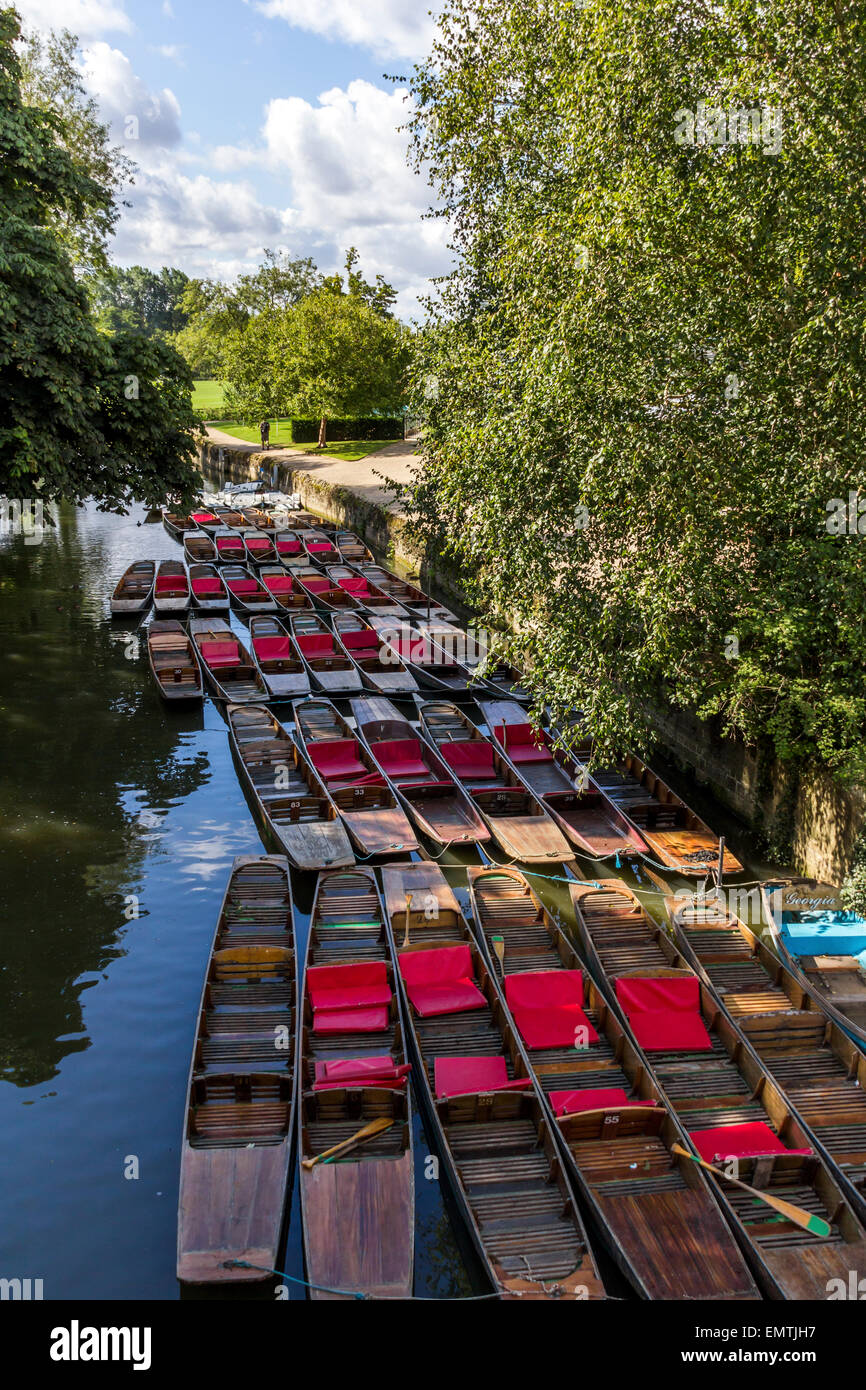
[(262, 123)]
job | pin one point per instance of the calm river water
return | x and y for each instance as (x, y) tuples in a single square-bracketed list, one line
[(108, 799)]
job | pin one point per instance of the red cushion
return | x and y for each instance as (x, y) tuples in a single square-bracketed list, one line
[(243, 586), (470, 760), (289, 547), (439, 982), (336, 757), (360, 1071), (354, 986), (605, 1098), (277, 583), (356, 585), (316, 586), (258, 542), (547, 1006), (233, 543), (400, 757), (221, 653), (272, 648), (523, 744), (207, 586), (460, 1076), (365, 640), (203, 516), (739, 1141), (171, 584), (319, 546), (316, 644), (664, 1013), (350, 1020)]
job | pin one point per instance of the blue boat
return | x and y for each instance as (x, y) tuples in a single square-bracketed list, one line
[(824, 942)]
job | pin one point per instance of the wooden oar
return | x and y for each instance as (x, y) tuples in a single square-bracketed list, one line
[(498, 945), (374, 1127), (816, 1224)]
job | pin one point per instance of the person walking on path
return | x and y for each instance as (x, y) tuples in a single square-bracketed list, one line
[(265, 430)]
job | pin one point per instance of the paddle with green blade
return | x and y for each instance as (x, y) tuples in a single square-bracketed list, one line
[(798, 1215)]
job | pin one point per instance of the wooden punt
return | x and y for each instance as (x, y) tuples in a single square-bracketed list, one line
[(412, 598), (290, 550), (494, 1139), (422, 781), (515, 817), (277, 659), (679, 838), (240, 1115), (227, 665), (231, 518), (372, 599), (176, 525), (198, 548), (173, 662), (363, 646), (328, 666), (230, 546), (171, 588), (256, 517), (352, 549), (259, 547), (284, 589), (718, 1088), (246, 590), (289, 798), (822, 943), (656, 1211), (820, 1069), (208, 591), (358, 1210), (204, 520), (134, 592), (581, 810), (323, 594), (318, 547), (370, 810), (433, 668)]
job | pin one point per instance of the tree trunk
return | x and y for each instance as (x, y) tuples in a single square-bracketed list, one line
[(323, 432)]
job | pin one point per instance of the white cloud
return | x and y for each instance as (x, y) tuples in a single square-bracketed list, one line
[(137, 116), (399, 28), (86, 18), (173, 52)]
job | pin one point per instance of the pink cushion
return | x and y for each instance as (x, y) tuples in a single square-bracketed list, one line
[(232, 543), (336, 757), (207, 586), (352, 986), (289, 547), (171, 584), (523, 744), (547, 1006), (439, 981), (739, 1141), (400, 757), (203, 516), (350, 1020), (277, 583), (316, 644), (272, 648), (316, 586), (243, 586), (221, 653), (319, 547), (471, 760), (664, 1013), (354, 586), (258, 543), (360, 1071), (365, 640), (460, 1076), (604, 1098)]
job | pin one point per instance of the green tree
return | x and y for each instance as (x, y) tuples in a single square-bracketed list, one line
[(83, 414), (644, 382), (51, 80)]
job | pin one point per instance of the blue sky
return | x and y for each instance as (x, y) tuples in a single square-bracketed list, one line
[(261, 123)]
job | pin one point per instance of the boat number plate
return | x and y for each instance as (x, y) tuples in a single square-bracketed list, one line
[(611, 1119)]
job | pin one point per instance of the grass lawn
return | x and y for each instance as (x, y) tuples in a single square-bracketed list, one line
[(208, 395), (349, 450)]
